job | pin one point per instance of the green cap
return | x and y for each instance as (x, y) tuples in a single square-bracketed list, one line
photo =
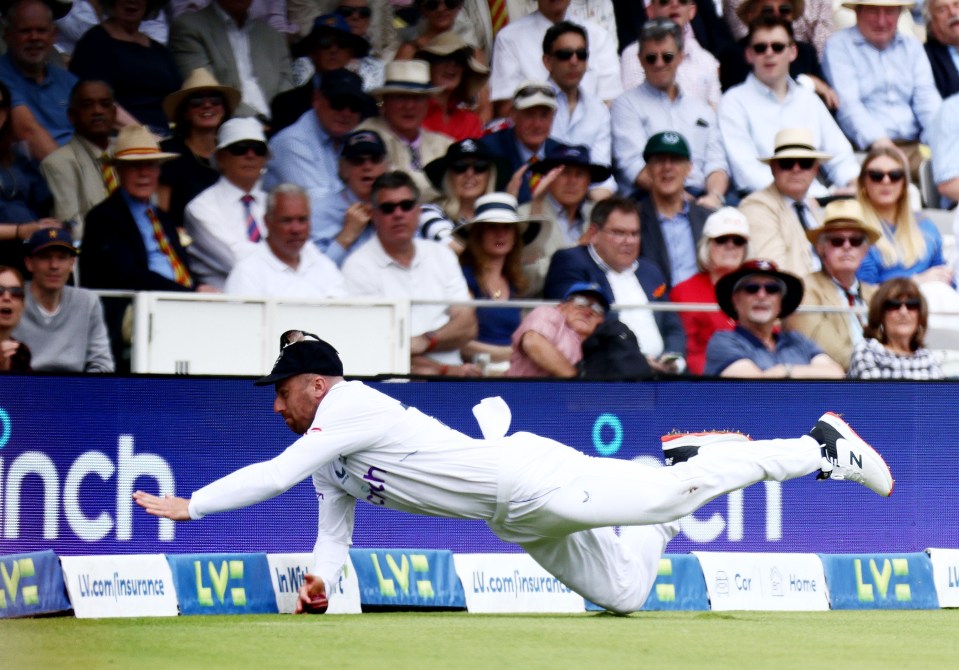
[(669, 142)]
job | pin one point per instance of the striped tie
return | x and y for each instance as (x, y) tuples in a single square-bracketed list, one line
[(110, 179), (533, 177), (498, 14), (252, 230), (180, 274)]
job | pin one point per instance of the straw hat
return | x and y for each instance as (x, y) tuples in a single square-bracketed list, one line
[(200, 80), (408, 77), (852, 4), (795, 143), (449, 43), (136, 144), (844, 214), (501, 208)]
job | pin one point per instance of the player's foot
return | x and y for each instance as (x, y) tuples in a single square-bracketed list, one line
[(680, 447), (845, 455)]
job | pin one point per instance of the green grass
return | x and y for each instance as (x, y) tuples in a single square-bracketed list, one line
[(427, 641)]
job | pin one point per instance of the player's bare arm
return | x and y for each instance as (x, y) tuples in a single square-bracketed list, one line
[(168, 507)]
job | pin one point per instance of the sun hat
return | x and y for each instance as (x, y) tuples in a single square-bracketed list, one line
[(726, 286), (447, 44), (200, 80), (566, 154), (407, 77), (436, 169), (844, 214), (795, 143), (136, 143)]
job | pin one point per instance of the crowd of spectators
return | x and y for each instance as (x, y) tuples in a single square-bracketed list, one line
[(607, 154)]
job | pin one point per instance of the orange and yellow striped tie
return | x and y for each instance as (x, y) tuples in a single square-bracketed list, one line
[(110, 179), (533, 177), (180, 274), (498, 14)]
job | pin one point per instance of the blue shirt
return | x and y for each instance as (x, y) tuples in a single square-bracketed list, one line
[(327, 213), (874, 271), (306, 155), (681, 247), (47, 100), (728, 346), (944, 141), (882, 93), (496, 324), (157, 261)]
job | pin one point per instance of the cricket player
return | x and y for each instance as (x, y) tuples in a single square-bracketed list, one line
[(557, 503)]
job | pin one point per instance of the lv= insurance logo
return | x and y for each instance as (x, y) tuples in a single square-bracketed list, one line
[(219, 579), (13, 574)]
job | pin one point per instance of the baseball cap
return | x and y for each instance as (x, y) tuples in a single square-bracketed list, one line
[(341, 82), (726, 221), (534, 94), (591, 288), (46, 238), (363, 143), (669, 142), (300, 353)]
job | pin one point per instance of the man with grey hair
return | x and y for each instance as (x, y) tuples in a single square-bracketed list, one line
[(942, 41), (287, 265), (659, 105)]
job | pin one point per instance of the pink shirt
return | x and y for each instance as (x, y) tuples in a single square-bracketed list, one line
[(549, 322)]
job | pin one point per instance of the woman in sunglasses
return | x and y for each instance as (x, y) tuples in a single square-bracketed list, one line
[(893, 348), (907, 247), (461, 77), (14, 355)]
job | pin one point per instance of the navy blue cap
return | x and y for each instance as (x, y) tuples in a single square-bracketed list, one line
[(363, 143), (577, 154), (591, 288), (46, 238), (301, 353), (335, 25)]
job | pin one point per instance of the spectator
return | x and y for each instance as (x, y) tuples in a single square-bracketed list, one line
[(460, 78), (549, 341), (331, 45), (239, 51), (141, 71), (359, 16), (842, 243), (14, 355), (813, 23), (78, 173), (343, 222), (436, 17), (395, 264), (286, 265), (671, 225), (886, 89), (752, 113), (942, 42), (780, 214), (226, 220), (659, 105), (721, 248), (894, 344), (39, 90), (197, 111), (492, 266), (63, 325), (611, 259), (82, 15), (944, 143), (757, 295)]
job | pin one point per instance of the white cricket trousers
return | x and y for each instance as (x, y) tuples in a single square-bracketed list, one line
[(560, 506)]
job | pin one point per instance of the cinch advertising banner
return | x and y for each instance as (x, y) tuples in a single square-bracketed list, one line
[(119, 586), (287, 571), (501, 583), (407, 577), (31, 584), (880, 581), (769, 582), (67, 486), (223, 583), (945, 571)]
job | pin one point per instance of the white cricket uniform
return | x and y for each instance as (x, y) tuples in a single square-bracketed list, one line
[(557, 503)]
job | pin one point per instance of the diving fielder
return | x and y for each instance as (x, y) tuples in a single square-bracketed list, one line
[(555, 502)]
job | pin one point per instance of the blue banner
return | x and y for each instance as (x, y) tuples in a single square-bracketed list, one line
[(223, 583), (679, 585), (66, 476), (31, 584), (407, 577), (880, 581)]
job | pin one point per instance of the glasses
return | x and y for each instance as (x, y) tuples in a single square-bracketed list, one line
[(567, 54), (667, 57), (761, 47), (479, 167), (433, 5), (784, 10), (338, 104), (349, 12), (583, 301), (528, 91), (666, 3), (16, 292), (243, 148), (753, 288), (912, 304), (327, 41), (390, 207), (789, 163), (878, 176), (197, 101), (726, 239), (839, 241), (360, 161)]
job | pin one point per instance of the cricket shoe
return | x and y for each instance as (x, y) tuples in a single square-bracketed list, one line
[(847, 456), (680, 447)]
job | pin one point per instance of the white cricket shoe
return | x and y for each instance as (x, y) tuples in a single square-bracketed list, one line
[(680, 447), (847, 456)]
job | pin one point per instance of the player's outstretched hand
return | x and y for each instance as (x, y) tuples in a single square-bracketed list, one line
[(169, 507), (312, 596)]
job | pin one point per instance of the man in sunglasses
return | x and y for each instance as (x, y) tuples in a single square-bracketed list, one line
[(397, 264), (752, 113), (841, 242), (757, 296)]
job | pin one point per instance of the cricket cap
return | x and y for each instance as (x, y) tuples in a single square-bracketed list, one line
[(300, 353)]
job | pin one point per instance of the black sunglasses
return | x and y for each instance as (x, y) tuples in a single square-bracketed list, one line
[(390, 207), (433, 5), (754, 288), (242, 148), (359, 161), (347, 12), (877, 176), (665, 3), (737, 240), (479, 167), (912, 304), (338, 104), (667, 57), (761, 47), (197, 101), (839, 241), (790, 163), (784, 10), (567, 54), (16, 292), (327, 41)]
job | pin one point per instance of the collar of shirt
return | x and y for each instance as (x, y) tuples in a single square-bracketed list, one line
[(860, 40), (855, 289), (234, 192), (606, 268), (661, 95), (228, 20), (681, 215), (384, 260), (526, 154), (323, 137), (761, 89), (755, 341)]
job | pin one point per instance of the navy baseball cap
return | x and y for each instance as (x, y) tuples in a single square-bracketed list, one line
[(46, 238), (335, 26), (363, 143), (577, 154), (592, 289), (300, 353)]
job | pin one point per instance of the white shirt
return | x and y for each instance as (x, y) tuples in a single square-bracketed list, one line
[(239, 38), (263, 274), (216, 220), (434, 274), (627, 289), (698, 74)]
